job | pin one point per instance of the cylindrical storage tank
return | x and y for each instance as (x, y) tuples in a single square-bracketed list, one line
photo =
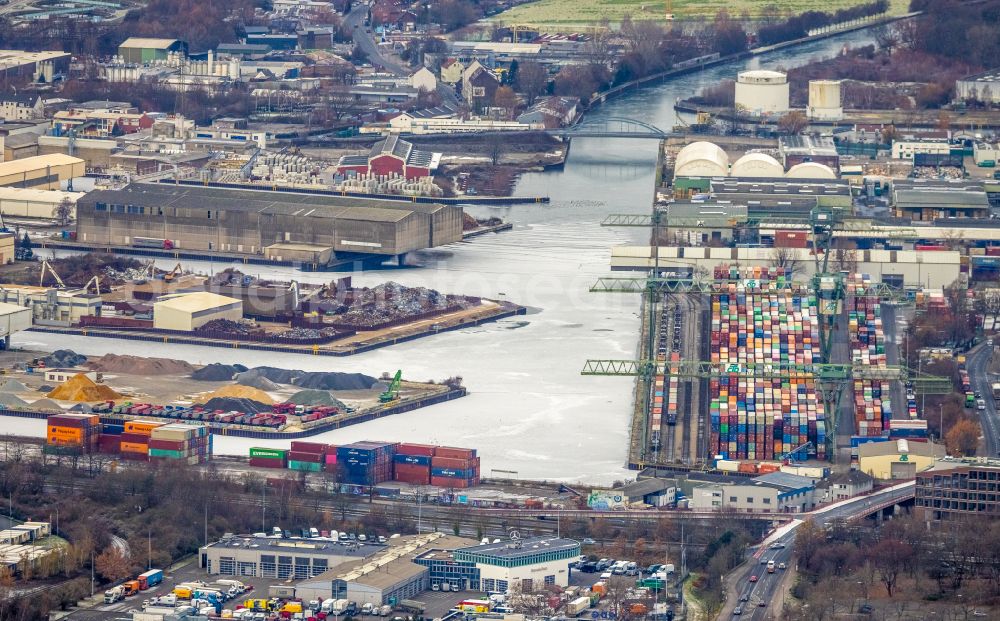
[(810, 170), (762, 92), (824, 100), (701, 159), (757, 165)]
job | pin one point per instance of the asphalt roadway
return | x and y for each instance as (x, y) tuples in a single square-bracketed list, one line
[(778, 547), (977, 363), (355, 20)]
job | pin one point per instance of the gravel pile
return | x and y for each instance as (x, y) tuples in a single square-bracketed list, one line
[(63, 358), (278, 376), (12, 385), (315, 397), (11, 401), (230, 404), (257, 381), (136, 365), (216, 372), (335, 381)]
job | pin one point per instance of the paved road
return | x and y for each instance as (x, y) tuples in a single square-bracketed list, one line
[(977, 364), (894, 323), (355, 20), (778, 548)]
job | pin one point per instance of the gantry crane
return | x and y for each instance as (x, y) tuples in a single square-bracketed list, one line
[(831, 379)]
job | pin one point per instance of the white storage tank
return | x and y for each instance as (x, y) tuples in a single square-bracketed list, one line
[(810, 170), (757, 165), (701, 159), (761, 91), (824, 100)]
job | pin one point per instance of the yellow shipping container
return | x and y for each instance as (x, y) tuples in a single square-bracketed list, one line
[(141, 426)]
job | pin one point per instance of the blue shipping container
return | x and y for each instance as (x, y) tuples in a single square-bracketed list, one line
[(420, 460)]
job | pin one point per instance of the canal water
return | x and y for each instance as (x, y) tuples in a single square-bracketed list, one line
[(529, 411)]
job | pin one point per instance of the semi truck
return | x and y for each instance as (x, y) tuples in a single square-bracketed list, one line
[(114, 594), (577, 606), (150, 579), (152, 242)]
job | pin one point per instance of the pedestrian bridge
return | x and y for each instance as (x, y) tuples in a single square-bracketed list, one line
[(613, 127)]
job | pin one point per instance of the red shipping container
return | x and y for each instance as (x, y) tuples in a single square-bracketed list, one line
[(416, 449), (62, 420), (413, 473), (330, 458), (109, 444), (267, 462), (451, 463), (790, 239), (309, 447), (170, 445), (137, 438), (313, 458), (448, 482), (454, 453)]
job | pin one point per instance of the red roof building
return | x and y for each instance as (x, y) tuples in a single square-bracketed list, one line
[(392, 157)]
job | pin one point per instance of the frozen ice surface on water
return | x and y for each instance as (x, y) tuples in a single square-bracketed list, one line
[(528, 410)]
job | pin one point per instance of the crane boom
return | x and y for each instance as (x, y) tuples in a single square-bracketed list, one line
[(392, 392)]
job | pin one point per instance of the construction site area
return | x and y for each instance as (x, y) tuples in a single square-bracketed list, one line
[(115, 297)]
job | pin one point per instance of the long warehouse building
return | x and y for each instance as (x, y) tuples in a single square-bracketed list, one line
[(257, 222)]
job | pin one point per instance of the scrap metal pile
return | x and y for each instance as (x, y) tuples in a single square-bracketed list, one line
[(388, 302)]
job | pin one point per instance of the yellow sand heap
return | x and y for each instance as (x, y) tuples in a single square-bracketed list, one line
[(82, 388), (236, 391)]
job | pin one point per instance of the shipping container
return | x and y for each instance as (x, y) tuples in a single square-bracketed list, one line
[(268, 453)]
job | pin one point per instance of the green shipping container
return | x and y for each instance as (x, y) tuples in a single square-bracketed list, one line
[(306, 466), (166, 453), (268, 453)]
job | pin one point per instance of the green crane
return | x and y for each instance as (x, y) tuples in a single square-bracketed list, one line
[(392, 392)]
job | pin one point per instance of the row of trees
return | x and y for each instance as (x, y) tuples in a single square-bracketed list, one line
[(798, 26), (958, 561)]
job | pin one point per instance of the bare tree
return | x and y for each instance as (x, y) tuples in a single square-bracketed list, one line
[(63, 211), (496, 147), (787, 259), (532, 79)]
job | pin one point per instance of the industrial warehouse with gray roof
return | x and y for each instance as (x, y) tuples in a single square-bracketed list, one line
[(255, 222)]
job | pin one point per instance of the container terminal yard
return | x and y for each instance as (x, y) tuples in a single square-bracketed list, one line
[(795, 357)]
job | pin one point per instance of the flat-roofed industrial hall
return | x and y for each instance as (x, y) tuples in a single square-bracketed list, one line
[(262, 222)]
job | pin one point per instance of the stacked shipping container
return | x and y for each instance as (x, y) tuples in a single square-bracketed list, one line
[(191, 444), (412, 463), (872, 404), (757, 318), (366, 463), (135, 439), (73, 431), (308, 456), (454, 467)]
